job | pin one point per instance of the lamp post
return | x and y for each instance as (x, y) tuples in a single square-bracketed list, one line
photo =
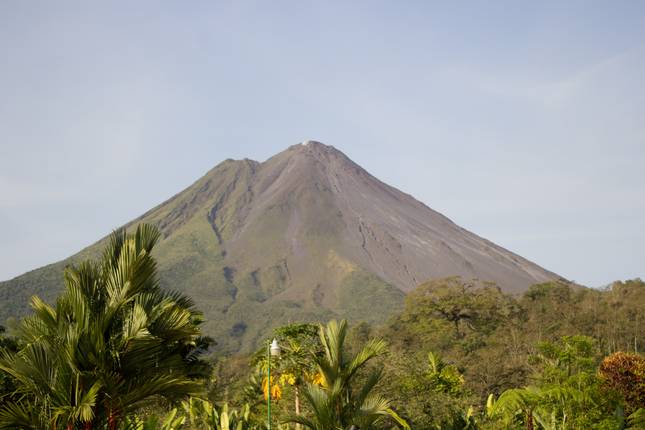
[(273, 350)]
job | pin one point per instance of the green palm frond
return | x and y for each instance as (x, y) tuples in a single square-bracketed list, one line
[(399, 420), (20, 416), (342, 401), (372, 349), (371, 382), (113, 342), (637, 419), (514, 400)]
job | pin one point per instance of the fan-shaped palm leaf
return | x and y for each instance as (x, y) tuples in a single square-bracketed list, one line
[(113, 342)]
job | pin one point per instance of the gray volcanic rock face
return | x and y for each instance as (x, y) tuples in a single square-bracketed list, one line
[(383, 230), (306, 235)]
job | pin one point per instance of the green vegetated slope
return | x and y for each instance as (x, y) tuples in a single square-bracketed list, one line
[(45, 282), (305, 235)]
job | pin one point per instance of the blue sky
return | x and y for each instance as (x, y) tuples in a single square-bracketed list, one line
[(521, 121)]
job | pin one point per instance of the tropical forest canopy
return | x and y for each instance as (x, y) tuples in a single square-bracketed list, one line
[(118, 351)]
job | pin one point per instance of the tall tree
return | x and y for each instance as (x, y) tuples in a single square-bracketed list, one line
[(471, 305), (113, 343)]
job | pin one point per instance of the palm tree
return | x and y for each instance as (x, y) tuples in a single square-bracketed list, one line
[(340, 403), (113, 343)]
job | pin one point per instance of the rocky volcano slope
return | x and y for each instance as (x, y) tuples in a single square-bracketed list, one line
[(307, 234)]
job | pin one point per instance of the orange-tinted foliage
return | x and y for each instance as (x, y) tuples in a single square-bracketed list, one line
[(625, 373)]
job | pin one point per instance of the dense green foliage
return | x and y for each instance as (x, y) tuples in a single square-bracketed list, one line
[(119, 351), (552, 337), (566, 390), (195, 414), (465, 355), (113, 343), (8, 345)]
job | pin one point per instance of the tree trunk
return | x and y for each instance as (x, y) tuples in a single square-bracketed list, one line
[(112, 420), (529, 420), (297, 401)]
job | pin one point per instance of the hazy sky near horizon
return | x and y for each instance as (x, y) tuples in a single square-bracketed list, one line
[(523, 122)]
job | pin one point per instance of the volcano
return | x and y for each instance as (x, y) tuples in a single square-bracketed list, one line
[(305, 235)]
